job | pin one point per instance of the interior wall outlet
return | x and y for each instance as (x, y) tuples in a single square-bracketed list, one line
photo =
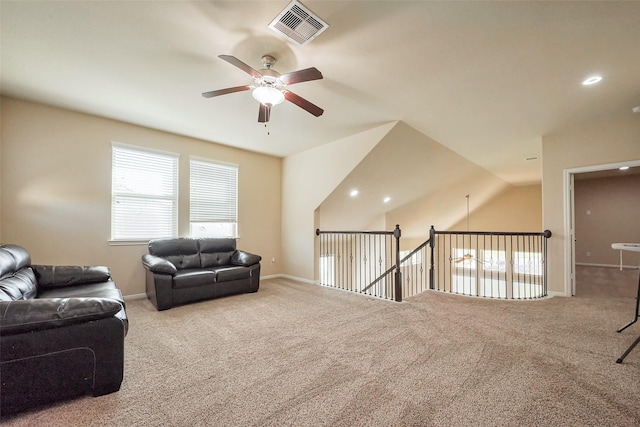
[(588, 212), (273, 261), (588, 253)]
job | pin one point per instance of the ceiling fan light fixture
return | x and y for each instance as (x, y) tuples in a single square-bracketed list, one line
[(268, 95), (591, 80)]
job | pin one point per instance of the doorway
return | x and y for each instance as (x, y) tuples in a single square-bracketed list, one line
[(570, 177)]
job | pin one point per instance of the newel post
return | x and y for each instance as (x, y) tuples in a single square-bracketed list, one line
[(432, 245), (398, 275)]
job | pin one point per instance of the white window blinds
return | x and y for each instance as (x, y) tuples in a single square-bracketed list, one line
[(214, 197), (144, 190)]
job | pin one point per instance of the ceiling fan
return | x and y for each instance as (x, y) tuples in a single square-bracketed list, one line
[(269, 87)]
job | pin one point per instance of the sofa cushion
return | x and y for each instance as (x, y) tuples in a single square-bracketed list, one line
[(103, 290), (12, 259), (232, 273), (59, 276), (182, 253), (18, 286), (215, 251), (107, 289), (190, 278), (38, 314), (215, 259), (215, 244)]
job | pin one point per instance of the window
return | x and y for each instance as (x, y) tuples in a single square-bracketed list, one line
[(494, 261), (527, 263), (327, 270), (464, 258), (214, 199), (144, 193), (414, 260)]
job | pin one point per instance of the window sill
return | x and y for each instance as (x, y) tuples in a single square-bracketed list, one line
[(128, 242)]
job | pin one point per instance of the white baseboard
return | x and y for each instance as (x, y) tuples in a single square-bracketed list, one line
[(552, 294), (286, 276), (630, 267), (299, 279), (134, 297)]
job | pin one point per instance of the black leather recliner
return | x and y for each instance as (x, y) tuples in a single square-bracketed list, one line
[(183, 270), (62, 331)]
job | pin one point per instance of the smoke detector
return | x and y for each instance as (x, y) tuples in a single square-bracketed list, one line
[(298, 24), (636, 109)]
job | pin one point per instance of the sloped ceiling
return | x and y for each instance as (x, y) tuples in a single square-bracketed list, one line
[(426, 184), (485, 79)]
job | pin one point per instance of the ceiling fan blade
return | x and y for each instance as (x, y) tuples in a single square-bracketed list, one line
[(301, 76), (463, 258), (264, 113), (303, 103), (244, 67), (219, 92)]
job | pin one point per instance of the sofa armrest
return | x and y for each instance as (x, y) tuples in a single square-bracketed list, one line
[(157, 264), (56, 276), (244, 258), (47, 313)]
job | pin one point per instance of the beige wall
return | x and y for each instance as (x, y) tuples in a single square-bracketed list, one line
[(307, 179), (606, 212), (603, 141), (515, 209), (1, 102), (56, 189)]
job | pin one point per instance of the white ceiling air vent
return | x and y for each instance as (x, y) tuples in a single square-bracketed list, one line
[(298, 24)]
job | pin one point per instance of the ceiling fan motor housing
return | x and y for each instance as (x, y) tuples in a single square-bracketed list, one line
[(268, 61)]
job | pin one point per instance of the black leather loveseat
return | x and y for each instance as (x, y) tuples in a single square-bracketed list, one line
[(184, 270), (62, 331)]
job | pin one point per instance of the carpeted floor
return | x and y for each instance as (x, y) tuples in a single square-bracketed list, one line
[(295, 354), (606, 282)]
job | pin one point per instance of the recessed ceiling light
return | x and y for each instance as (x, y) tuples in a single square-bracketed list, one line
[(353, 193), (624, 168), (591, 80), (386, 199)]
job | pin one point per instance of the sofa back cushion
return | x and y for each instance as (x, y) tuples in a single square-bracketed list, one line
[(12, 259), (215, 252), (18, 286), (17, 280), (182, 252)]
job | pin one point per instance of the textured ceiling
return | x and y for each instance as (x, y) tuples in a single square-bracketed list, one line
[(484, 79)]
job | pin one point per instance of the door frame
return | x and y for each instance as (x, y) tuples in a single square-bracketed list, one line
[(569, 218)]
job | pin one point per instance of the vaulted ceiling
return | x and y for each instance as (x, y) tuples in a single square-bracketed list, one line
[(486, 79)]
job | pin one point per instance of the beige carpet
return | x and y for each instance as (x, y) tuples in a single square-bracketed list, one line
[(302, 355), (606, 282)]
